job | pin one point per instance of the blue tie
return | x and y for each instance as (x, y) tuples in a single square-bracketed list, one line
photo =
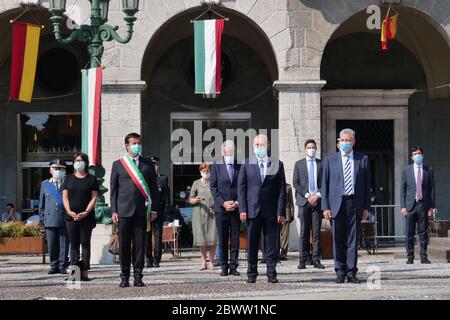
[(261, 170), (312, 178), (348, 183)]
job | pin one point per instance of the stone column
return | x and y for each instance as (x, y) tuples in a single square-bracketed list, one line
[(120, 115), (299, 119)]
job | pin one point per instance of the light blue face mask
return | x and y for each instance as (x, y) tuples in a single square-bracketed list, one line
[(136, 149), (345, 146), (79, 165), (418, 159), (58, 174), (260, 152)]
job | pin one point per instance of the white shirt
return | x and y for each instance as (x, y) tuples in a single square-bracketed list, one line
[(315, 174), (344, 159), (416, 167), (265, 161)]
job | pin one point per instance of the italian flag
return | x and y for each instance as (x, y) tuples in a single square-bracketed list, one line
[(90, 122), (25, 45), (207, 52)]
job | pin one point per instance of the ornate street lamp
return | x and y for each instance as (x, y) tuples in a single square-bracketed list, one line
[(94, 35)]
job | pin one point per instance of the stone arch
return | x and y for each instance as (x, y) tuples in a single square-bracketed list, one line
[(419, 32), (269, 19)]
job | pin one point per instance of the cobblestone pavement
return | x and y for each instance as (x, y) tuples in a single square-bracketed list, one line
[(22, 277)]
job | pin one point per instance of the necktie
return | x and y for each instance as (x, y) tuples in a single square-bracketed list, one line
[(57, 185), (348, 176), (230, 172), (312, 178), (419, 184), (261, 170)]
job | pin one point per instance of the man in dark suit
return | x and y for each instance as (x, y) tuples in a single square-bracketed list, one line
[(223, 182), (262, 203), (307, 181), (156, 226), (417, 202), (346, 200), (130, 205)]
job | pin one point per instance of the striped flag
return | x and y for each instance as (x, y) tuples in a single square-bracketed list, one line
[(24, 58), (207, 52), (388, 30), (90, 122)]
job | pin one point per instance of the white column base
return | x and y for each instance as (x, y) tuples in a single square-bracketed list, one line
[(101, 236)]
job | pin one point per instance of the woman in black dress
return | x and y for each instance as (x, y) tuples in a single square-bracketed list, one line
[(80, 192)]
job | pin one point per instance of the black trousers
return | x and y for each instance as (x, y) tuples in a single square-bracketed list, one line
[(346, 228), (269, 228), (417, 217), (132, 244), (310, 220), (80, 234), (228, 227), (157, 230)]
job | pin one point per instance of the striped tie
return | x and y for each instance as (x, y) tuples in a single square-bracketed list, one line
[(348, 176)]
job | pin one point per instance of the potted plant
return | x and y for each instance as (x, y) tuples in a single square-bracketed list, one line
[(18, 238)]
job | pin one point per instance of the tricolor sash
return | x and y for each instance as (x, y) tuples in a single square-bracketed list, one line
[(54, 192), (139, 181)]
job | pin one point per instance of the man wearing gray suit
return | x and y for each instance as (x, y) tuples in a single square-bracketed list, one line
[(417, 202), (307, 181), (52, 216), (346, 200)]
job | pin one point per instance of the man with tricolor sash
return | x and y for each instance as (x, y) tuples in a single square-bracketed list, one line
[(133, 201)]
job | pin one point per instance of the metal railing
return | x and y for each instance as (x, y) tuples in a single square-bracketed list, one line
[(384, 216)]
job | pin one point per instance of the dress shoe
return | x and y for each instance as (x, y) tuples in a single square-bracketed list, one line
[(156, 264), (63, 270), (250, 280), (310, 262), (352, 279), (149, 264), (139, 283), (301, 265), (234, 272), (224, 273), (53, 271), (410, 261), (425, 261), (318, 265), (282, 258), (340, 279), (273, 280), (124, 283)]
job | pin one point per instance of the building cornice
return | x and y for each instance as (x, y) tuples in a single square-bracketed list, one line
[(295, 85), (133, 85), (366, 97)]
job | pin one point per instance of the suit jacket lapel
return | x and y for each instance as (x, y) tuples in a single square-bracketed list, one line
[(413, 177), (338, 160), (356, 161), (254, 164)]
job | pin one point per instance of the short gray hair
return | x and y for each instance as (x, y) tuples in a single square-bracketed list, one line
[(228, 144), (347, 131)]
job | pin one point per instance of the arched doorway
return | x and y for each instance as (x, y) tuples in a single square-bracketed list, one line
[(33, 134), (385, 96), (247, 100)]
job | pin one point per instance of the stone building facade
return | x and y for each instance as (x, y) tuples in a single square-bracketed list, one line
[(325, 66)]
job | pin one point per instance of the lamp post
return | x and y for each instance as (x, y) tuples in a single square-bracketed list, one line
[(95, 34)]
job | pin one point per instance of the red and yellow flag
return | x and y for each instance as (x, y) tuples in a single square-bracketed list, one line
[(24, 59), (388, 30)]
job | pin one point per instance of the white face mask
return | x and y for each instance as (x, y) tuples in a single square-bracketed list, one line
[(205, 175), (311, 152), (228, 159)]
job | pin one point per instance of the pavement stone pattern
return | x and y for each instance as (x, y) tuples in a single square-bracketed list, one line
[(24, 277)]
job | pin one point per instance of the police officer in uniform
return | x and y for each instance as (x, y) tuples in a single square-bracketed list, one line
[(156, 226), (52, 216)]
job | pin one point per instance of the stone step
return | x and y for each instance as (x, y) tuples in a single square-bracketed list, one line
[(443, 243)]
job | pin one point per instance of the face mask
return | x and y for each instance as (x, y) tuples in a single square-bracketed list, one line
[(79, 165), (136, 149), (418, 158), (58, 174), (260, 152), (345, 146), (311, 152), (205, 175), (228, 159)]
